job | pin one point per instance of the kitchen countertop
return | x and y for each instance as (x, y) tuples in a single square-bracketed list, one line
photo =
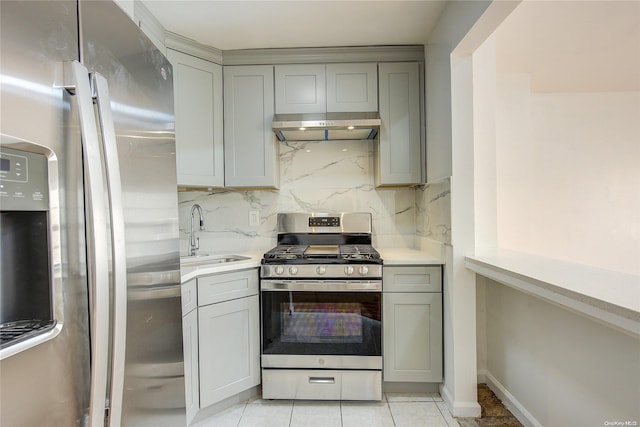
[(609, 296), (390, 256), (191, 271), (407, 256)]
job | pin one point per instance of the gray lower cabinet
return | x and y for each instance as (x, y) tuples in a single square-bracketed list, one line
[(192, 388), (250, 146), (398, 159), (229, 339), (412, 316), (190, 348), (221, 337), (228, 334), (198, 110)]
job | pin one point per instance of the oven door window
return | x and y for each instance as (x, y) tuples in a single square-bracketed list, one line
[(331, 323)]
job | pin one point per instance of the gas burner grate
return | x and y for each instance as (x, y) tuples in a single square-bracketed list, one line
[(358, 252), (285, 252), (12, 332)]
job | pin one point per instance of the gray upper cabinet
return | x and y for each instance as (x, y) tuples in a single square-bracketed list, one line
[(199, 116), (399, 152), (300, 88), (352, 87), (250, 147), (320, 88)]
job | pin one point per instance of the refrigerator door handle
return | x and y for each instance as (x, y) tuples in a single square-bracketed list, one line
[(76, 82), (119, 259)]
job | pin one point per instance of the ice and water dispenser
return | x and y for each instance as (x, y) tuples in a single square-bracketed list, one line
[(25, 265)]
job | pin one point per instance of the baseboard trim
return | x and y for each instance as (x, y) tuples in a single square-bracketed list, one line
[(459, 409), (510, 402)]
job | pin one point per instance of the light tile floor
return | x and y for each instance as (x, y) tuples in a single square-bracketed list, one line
[(395, 410)]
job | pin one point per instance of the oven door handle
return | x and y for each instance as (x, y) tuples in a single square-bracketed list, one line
[(322, 286)]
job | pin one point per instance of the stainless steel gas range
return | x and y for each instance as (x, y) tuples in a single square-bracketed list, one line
[(321, 307)]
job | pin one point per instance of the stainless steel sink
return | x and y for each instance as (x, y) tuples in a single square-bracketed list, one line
[(211, 259), (196, 256)]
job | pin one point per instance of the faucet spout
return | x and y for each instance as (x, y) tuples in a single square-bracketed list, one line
[(194, 242)]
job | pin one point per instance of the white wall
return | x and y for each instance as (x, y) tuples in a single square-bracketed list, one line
[(562, 368), (568, 175), (450, 151), (565, 183)]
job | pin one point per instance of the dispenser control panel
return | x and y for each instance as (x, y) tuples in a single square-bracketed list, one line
[(23, 180)]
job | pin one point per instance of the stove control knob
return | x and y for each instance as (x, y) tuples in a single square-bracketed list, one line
[(363, 270), (348, 270), (293, 270), (279, 270), (321, 269)]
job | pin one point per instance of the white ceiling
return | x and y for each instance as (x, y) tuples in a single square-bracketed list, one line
[(239, 24), (573, 46), (565, 45)]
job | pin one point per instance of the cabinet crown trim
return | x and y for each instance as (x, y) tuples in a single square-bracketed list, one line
[(325, 55), (191, 47)]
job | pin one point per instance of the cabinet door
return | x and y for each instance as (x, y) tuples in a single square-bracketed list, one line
[(352, 87), (189, 296), (191, 380), (198, 110), (250, 147), (398, 157), (412, 337), (229, 348), (300, 88)]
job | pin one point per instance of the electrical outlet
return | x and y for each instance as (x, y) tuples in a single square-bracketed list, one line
[(254, 218)]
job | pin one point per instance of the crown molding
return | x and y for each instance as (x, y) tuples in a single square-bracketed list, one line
[(324, 55), (192, 47), (148, 23)]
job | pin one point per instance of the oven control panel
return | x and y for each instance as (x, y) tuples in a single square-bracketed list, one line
[(321, 271), (324, 221)]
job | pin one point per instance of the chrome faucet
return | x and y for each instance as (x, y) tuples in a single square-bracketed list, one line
[(194, 242)]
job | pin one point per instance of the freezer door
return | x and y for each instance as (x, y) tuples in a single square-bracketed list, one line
[(48, 384), (140, 84)]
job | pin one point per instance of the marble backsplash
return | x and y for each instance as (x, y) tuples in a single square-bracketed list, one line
[(336, 176), (433, 211)]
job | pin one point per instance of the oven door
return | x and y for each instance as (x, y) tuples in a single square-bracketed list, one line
[(332, 324)]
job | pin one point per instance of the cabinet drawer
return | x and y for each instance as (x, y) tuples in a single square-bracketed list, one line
[(412, 279), (189, 296), (227, 286), (321, 384)]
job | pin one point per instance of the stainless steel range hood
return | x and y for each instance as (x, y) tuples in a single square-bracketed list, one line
[(326, 127)]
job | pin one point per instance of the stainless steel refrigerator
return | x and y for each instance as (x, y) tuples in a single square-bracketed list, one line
[(90, 304)]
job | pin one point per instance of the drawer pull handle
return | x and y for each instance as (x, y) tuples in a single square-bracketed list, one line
[(322, 380)]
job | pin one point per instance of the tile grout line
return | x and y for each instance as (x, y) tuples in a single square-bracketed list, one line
[(393, 420), (442, 414), (293, 402), (242, 414)]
